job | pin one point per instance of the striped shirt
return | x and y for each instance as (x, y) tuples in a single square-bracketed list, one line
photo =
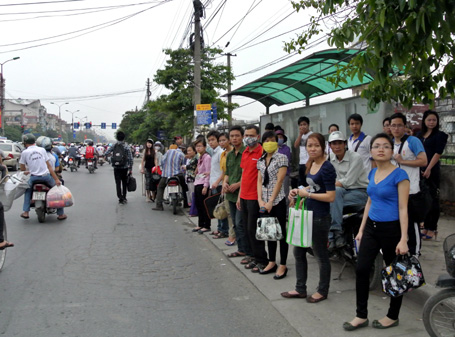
[(172, 163)]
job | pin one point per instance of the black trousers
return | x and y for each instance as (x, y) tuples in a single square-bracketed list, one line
[(432, 218), (279, 211), (203, 218), (121, 177), (2, 222), (302, 175), (250, 214), (377, 235)]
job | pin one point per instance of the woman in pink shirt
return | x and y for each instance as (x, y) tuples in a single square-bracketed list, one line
[(201, 185)]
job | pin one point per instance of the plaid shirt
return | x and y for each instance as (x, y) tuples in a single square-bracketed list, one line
[(277, 161), (129, 155)]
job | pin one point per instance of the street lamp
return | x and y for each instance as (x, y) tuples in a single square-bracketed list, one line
[(59, 113), (2, 91), (72, 118)]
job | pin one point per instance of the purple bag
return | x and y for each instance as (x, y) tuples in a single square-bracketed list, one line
[(193, 209)]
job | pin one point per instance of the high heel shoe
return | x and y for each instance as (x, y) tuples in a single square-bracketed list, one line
[(271, 270), (279, 277)]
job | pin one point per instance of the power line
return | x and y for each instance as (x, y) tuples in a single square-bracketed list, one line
[(40, 3)]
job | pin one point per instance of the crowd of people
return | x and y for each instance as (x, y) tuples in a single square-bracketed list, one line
[(386, 171)]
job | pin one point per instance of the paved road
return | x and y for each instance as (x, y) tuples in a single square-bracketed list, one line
[(123, 270)]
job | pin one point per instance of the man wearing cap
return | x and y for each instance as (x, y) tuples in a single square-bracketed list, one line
[(351, 184)]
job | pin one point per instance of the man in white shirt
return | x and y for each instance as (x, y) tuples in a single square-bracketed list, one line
[(409, 154), (34, 161), (359, 142), (351, 185), (300, 143)]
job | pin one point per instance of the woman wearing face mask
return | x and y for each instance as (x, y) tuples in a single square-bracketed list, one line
[(272, 167), (190, 170), (158, 154), (148, 163), (320, 177)]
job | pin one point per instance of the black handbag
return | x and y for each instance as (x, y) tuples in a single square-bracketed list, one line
[(131, 184), (403, 275)]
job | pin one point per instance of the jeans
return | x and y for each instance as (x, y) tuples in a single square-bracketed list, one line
[(279, 211), (223, 225), (3, 170), (376, 236), (121, 178), (250, 212), (240, 232), (2, 222), (46, 179), (343, 198), (321, 227)]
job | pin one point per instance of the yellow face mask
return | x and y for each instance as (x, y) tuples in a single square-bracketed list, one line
[(270, 147)]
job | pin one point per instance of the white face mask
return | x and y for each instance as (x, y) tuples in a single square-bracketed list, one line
[(157, 148)]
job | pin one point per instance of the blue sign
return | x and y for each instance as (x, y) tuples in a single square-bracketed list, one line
[(204, 117), (74, 134), (114, 125), (103, 125), (88, 125), (76, 125), (161, 134), (214, 113)]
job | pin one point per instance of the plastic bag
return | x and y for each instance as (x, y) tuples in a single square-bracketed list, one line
[(403, 275), (58, 197), (12, 188)]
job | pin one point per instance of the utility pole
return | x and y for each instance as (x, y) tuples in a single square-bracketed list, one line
[(2, 92), (198, 9), (229, 89), (149, 93)]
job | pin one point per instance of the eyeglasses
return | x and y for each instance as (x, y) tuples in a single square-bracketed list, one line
[(385, 147), (397, 126)]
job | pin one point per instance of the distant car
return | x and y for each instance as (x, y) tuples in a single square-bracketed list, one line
[(12, 153)]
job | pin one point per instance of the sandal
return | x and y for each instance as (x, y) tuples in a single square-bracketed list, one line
[(250, 265), (220, 236), (24, 216), (62, 217), (6, 245), (229, 243), (215, 233), (247, 260), (236, 254)]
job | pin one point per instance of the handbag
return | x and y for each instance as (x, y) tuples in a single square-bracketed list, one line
[(300, 226), (268, 229), (131, 184), (210, 204), (220, 211), (403, 275)]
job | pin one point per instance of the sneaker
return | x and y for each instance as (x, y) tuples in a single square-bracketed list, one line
[(331, 246), (339, 242), (125, 201), (158, 208), (121, 201)]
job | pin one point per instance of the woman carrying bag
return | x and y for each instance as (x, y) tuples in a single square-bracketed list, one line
[(201, 185), (320, 192), (384, 227), (148, 163), (272, 168)]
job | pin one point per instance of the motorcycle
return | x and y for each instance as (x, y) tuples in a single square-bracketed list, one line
[(173, 192), (101, 161), (72, 164), (90, 165), (137, 154), (439, 309), (39, 196)]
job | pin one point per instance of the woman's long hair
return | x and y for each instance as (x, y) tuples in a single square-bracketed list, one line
[(321, 140), (149, 152), (425, 116)]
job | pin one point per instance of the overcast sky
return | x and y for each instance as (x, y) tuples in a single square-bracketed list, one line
[(103, 73)]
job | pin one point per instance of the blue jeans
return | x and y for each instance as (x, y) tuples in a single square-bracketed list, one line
[(343, 198), (46, 179), (321, 227), (239, 228)]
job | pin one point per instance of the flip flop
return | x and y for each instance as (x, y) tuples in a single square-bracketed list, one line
[(7, 244), (62, 218), (229, 243), (236, 254), (24, 216)]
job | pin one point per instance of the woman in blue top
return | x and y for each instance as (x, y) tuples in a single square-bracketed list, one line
[(320, 192), (384, 226)]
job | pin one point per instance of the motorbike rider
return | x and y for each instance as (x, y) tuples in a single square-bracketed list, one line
[(91, 153), (351, 184), (73, 152), (34, 161)]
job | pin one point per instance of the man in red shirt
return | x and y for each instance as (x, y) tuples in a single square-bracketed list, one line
[(248, 196), (91, 153)]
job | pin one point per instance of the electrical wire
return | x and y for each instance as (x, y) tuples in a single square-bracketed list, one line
[(40, 3)]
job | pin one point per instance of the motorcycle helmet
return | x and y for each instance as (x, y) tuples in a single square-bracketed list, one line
[(90, 143), (337, 135), (28, 139), (44, 142)]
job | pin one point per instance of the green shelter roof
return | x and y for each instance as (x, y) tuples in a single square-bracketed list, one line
[(303, 79)]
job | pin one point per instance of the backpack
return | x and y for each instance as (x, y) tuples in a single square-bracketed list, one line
[(119, 156)]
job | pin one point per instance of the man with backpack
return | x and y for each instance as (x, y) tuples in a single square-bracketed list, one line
[(122, 162)]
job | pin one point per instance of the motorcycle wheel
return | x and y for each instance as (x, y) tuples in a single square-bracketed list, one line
[(3, 252), (439, 314), (174, 205), (375, 273), (41, 214), (72, 169)]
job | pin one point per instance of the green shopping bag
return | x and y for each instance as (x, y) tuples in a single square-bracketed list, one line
[(300, 226)]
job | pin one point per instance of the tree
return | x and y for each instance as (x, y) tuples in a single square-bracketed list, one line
[(410, 38), (13, 132)]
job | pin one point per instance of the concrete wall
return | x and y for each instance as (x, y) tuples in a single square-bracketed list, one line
[(447, 195)]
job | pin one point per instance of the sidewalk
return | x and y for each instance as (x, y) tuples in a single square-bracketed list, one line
[(326, 318)]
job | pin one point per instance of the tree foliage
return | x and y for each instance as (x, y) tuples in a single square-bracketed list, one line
[(173, 112), (413, 36)]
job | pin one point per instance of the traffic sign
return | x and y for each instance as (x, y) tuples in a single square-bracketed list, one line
[(103, 125), (74, 134), (114, 125), (201, 107), (76, 125), (214, 113), (204, 117)]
